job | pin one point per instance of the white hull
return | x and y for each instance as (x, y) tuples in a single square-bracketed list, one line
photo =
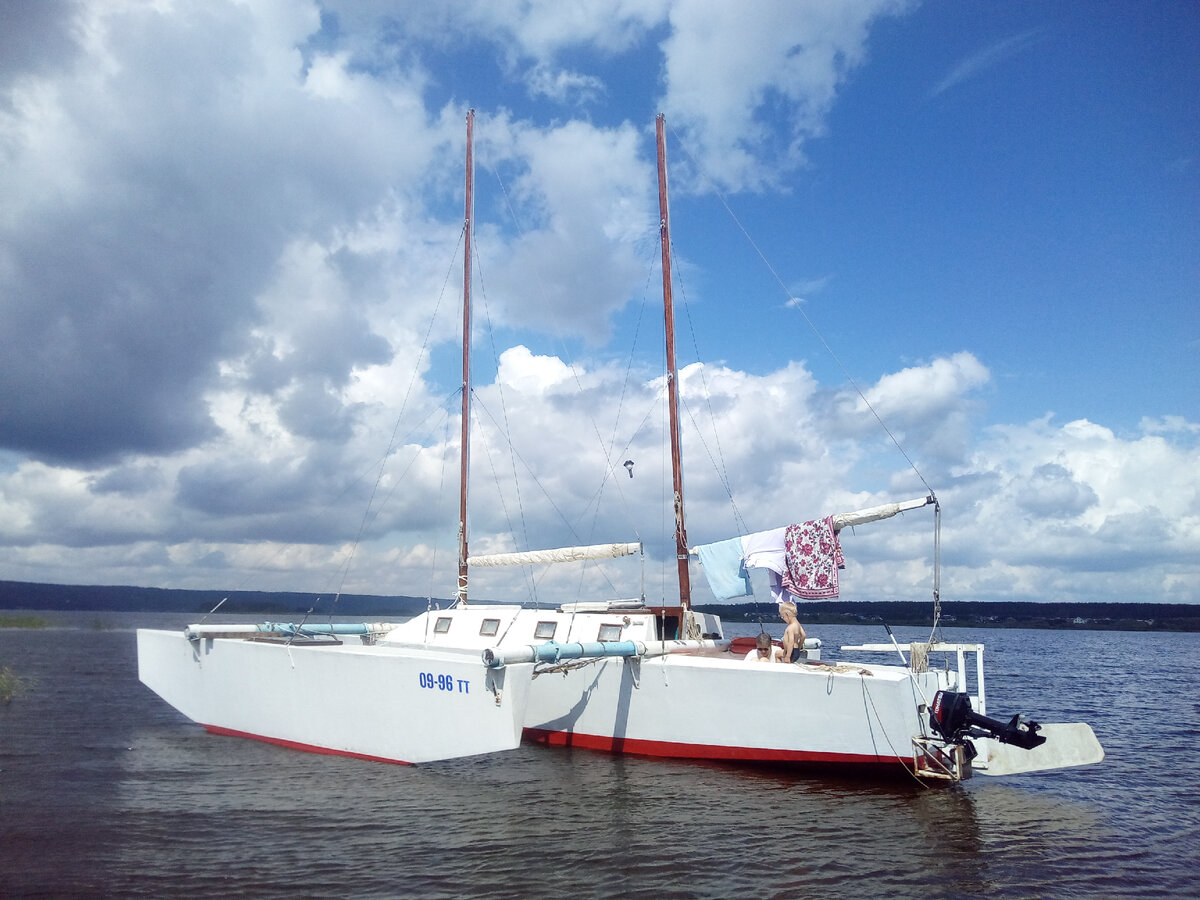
[(697, 700), (728, 709), (393, 704), (703, 704)]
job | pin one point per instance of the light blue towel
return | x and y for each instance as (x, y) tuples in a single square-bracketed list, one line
[(727, 575)]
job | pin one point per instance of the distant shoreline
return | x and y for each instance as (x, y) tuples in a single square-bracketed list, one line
[(984, 614), (956, 614)]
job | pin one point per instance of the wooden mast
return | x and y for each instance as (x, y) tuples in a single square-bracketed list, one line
[(465, 454), (681, 546)]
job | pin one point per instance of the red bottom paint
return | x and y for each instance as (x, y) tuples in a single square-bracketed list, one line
[(607, 744), (675, 750), (307, 748)]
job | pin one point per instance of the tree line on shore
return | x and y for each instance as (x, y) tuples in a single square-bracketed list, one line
[(984, 614), (966, 613)]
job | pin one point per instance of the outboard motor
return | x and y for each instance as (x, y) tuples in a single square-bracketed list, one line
[(953, 719)]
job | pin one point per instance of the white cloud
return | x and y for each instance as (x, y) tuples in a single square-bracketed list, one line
[(573, 264), (1169, 425), (928, 408), (528, 373), (563, 86), (1039, 510), (543, 28), (1075, 512), (226, 231), (730, 66), (920, 391), (151, 185)]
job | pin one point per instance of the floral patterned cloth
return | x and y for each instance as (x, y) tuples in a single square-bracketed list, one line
[(813, 555)]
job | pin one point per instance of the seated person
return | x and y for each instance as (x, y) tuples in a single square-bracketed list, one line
[(765, 651), (793, 634)]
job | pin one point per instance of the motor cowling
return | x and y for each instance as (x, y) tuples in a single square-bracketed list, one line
[(951, 717)]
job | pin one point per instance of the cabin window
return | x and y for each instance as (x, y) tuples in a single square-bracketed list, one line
[(609, 633), (489, 627), (442, 625), (545, 631)]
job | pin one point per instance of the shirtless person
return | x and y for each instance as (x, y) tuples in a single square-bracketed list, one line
[(793, 634)]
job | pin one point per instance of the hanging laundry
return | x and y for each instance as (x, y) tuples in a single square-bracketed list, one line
[(765, 550), (727, 575), (813, 556)]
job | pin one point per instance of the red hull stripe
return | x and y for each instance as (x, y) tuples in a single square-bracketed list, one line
[(639, 747), (307, 748), (702, 751)]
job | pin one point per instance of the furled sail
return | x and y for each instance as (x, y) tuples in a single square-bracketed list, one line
[(875, 513), (861, 516), (803, 559), (560, 555)]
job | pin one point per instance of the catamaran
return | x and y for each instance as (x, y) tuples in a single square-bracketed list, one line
[(619, 676)]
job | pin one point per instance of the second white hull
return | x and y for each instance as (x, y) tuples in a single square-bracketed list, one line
[(723, 708), (377, 702)]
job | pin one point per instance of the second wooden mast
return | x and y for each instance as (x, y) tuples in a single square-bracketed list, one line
[(465, 454), (681, 545)]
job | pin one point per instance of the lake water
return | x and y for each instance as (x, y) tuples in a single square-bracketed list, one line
[(104, 789)]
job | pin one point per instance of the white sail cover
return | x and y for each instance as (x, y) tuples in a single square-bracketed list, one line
[(875, 513), (560, 555), (863, 516)]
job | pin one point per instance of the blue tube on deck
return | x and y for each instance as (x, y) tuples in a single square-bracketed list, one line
[(552, 651), (316, 628)]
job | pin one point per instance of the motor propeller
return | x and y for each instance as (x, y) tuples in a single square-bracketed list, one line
[(953, 719)]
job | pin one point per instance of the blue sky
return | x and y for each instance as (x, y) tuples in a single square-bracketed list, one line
[(228, 228)]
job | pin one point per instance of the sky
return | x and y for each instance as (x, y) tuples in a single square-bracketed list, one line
[(942, 245)]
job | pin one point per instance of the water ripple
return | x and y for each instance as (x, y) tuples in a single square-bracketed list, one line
[(105, 790)]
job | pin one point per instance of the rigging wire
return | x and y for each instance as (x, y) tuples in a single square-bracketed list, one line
[(846, 373), (637, 330), (883, 729), (481, 437), (812, 326), (610, 471), (719, 461), (441, 498), (531, 583), (374, 510), (937, 569), (537, 481), (368, 516)]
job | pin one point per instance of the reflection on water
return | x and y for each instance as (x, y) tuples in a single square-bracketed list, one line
[(104, 789)]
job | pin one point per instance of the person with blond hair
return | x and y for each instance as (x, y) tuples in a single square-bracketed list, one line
[(793, 634)]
